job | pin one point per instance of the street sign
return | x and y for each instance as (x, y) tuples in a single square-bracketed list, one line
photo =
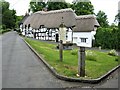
[(62, 34)]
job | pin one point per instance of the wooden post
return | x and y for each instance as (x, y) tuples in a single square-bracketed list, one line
[(81, 62), (61, 50)]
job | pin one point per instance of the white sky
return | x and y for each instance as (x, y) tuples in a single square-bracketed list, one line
[(110, 7)]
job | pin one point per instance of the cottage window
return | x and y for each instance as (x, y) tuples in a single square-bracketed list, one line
[(83, 40), (74, 37)]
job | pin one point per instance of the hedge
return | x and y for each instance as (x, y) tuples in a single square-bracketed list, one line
[(108, 38)]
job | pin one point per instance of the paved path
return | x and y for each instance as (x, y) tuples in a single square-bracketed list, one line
[(22, 69)]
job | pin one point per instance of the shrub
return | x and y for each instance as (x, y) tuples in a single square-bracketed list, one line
[(108, 38), (91, 56), (113, 53), (117, 59), (74, 52)]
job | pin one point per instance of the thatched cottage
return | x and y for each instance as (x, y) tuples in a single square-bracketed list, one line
[(47, 25)]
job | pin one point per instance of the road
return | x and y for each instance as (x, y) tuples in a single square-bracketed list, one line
[(21, 68)]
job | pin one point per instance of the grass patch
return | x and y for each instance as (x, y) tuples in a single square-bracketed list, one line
[(91, 55), (4, 31), (95, 67), (74, 52)]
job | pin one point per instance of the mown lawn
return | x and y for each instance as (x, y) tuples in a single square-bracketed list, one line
[(69, 66)]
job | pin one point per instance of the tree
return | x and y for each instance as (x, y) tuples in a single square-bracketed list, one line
[(18, 19), (8, 19), (5, 5), (57, 5), (117, 18), (8, 16), (50, 5), (102, 19), (108, 37), (37, 6), (83, 8), (0, 14)]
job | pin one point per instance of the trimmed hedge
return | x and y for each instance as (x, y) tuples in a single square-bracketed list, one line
[(108, 38)]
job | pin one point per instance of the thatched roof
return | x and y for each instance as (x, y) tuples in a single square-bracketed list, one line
[(51, 19), (85, 23), (23, 19)]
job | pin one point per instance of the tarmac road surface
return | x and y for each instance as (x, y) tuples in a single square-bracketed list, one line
[(21, 68)]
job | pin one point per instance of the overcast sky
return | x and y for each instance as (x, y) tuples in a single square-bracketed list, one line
[(110, 7)]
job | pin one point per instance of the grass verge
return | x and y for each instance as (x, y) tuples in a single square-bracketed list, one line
[(69, 66), (4, 31)]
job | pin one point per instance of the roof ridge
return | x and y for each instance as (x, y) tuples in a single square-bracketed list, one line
[(55, 11), (86, 16)]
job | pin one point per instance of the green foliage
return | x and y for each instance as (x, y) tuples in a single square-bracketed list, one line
[(102, 19), (74, 52), (5, 5), (8, 19), (117, 58), (8, 16), (56, 5), (113, 52), (83, 8), (117, 17), (34, 7), (90, 55), (4, 31), (108, 38), (18, 19)]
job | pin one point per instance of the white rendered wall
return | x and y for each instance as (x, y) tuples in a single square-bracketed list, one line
[(23, 33), (69, 35), (77, 39), (21, 27), (93, 34)]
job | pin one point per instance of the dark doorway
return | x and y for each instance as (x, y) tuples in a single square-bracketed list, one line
[(57, 37)]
